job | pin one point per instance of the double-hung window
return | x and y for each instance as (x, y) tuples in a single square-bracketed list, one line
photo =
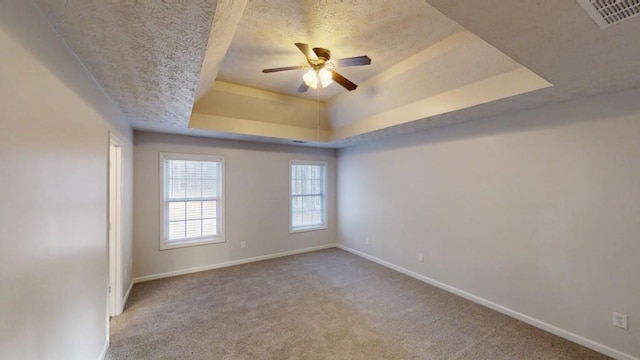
[(192, 195), (308, 203)]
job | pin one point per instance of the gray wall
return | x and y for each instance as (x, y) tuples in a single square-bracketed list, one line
[(537, 211), (54, 139), (256, 203)]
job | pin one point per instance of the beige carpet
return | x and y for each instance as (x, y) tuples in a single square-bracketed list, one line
[(323, 305)]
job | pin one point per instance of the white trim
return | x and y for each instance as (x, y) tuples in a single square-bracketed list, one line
[(190, 156), (325, 212), (308, 228), (105, 348), (593, 345), (308, 162), (115, 139), (107, 337), (115, 230), (221, 216), (229, 263), (126, 296), (191, 242)]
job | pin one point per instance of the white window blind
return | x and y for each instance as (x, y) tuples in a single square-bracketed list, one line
[(308, 198), (193, 199)]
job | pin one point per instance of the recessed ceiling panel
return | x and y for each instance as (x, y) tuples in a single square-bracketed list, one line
[(387, 31)]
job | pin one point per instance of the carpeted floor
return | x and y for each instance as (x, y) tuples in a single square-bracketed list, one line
[(322, 305)]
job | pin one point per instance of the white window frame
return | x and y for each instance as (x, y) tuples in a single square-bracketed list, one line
[(323, 226), (220, 238)]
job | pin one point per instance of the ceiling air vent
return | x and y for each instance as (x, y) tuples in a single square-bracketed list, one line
[(608, 12)]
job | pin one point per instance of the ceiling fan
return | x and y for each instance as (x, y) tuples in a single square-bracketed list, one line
[(321, 65)]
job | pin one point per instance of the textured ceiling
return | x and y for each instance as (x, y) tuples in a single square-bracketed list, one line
[(147, 55), (385, 30), (225, 21)]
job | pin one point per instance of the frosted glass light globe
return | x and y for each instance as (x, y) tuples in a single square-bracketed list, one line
[(311, 78)]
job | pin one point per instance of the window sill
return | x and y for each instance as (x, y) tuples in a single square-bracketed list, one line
[(182, 244), (306, 229)]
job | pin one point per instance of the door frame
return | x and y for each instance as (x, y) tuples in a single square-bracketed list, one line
[(114, 291)]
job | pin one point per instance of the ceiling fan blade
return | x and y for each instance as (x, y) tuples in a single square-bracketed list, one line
[(346, 83), (303, 87), (352, 61), (306, 50), (285, 68)]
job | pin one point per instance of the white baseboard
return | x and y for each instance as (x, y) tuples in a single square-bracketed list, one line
[(228, 263), (593, 345), (103, 353), (126, 296)]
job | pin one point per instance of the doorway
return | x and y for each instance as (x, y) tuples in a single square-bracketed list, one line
[(115, 227)]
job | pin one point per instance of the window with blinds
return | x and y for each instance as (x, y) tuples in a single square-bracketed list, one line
[(308, 199), (192, 196)]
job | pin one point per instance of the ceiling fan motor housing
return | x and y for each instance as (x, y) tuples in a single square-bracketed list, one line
[(323, 54)]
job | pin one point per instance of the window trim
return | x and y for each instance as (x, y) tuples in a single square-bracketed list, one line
[(325, 216), (220, 238)]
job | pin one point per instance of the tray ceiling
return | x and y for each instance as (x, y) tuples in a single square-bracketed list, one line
[(384, 30), (166, 63)]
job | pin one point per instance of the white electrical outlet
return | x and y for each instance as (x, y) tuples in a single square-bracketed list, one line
[(621, 320), (367, 241), (243, 244), (420, 257)]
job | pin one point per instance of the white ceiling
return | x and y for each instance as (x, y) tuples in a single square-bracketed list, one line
[(383, 30), (148, 55), (557, 40)]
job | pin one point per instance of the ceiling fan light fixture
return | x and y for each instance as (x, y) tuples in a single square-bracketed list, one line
[(312, 77), (322, 73)]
